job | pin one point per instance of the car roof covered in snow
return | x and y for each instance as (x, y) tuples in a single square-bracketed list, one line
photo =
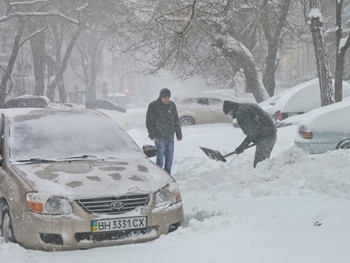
[(210, 95), (29, 113), (328, 118), (303, 97)]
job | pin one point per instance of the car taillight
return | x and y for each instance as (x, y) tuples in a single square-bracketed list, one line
[(306, 135), (280, 116)]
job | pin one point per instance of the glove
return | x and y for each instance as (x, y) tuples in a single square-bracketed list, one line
[(239, 150)]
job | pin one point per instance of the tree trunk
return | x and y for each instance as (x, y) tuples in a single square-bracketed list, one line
[(251, 72), (273, 41), (340, 53), (15, 49), (324, 73), (269, 77), (91, 92), (39, 57)]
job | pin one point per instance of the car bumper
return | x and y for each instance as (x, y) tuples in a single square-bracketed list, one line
[(57, 233), (315, 147)]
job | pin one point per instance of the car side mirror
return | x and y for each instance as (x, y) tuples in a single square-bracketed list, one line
[(149, 150)]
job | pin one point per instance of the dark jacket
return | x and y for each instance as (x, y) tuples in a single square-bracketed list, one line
[(162, 120), (254, 122)]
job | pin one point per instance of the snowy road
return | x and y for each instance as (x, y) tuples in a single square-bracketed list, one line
[(235, 213)]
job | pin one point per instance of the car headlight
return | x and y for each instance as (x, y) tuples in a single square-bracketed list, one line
[(168, 195), (53, 205)]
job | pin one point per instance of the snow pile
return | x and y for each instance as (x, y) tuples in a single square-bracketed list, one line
[(291, 173)]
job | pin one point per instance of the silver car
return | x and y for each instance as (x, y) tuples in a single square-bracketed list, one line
[(74, 179), (325, 129), (202, 108)]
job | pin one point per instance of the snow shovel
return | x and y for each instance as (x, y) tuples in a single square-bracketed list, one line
[(216, 155)]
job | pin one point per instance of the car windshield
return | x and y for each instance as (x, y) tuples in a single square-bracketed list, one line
[(60, 136)]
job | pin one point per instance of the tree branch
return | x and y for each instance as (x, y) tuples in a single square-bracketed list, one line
[(32, 35), (27, 3), (38, 14)]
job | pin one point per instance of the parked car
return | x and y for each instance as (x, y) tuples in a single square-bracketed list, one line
[(28, 101), (325, 129), (269, 104), (300, 99), (103, 104), (202, 107), (74, 179)]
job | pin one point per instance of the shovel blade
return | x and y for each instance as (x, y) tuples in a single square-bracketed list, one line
[(213, 154)]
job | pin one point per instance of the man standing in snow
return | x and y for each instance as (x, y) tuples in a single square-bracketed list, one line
[(256, 124), (162, 122)]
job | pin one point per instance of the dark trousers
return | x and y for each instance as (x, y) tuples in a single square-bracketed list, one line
[(165, 153), (264, 148)]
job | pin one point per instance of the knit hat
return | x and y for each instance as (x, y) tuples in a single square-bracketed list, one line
[(230, 105), (164, 93), (227, 106)]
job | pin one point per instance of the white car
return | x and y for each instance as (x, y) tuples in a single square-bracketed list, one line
[(300, 99), (269, 104), (325, 129), (203, 107)]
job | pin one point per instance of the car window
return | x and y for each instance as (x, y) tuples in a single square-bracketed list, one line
[(57, 136), (26, 103), (185, 101), (215, 101), (202, 101), (12, 104)]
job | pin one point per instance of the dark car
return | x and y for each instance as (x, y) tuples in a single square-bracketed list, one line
[(103, 104)]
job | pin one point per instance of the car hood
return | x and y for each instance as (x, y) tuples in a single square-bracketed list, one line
[(95, 177)]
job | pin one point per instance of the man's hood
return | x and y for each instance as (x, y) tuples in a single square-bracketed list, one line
[(94, 178)]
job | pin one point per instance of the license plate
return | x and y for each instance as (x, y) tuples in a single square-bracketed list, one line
[(127, 223)]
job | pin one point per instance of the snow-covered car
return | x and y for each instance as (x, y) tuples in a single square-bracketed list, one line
[(325, 129), (269, 104), (300, 99), (203, 107), (28, 101), (74, 179)]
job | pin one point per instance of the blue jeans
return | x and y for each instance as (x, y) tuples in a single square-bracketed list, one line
[(165, 150)]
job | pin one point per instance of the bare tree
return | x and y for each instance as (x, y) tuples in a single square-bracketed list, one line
[(57, 80), (180, 37), (273, 19), (23, 12)]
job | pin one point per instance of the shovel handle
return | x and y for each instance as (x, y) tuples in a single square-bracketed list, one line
[(229, 154), (232, 153)]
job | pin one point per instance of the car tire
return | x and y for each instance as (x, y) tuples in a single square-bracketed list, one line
[(187, 120), (345, 144), (6, 226)]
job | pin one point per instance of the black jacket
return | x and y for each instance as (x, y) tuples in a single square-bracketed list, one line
[(254, 122), (162, 120)]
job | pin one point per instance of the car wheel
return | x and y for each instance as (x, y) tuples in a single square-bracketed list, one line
[(186, 120), (6, 226), (345, 144)]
